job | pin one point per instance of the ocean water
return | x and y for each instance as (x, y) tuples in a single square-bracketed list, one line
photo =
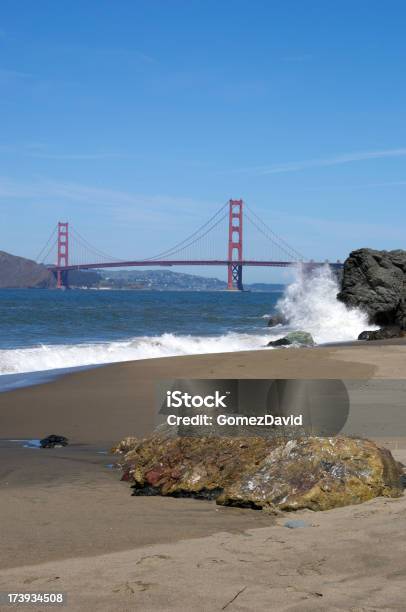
[(45, 330)]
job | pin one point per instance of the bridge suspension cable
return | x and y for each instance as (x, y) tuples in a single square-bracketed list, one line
[(43, 254), (277, 240), (193, 238), (87, 247)]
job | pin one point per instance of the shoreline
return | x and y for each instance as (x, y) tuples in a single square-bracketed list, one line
[(18, 380)]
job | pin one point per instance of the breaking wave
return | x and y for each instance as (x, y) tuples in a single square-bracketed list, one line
[(310, 304), (49, 357)]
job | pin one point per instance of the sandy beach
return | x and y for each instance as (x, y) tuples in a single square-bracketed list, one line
[(69, 524)]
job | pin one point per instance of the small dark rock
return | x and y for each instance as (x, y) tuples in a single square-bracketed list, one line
[(366, 335), (53, 440), (280, 342), (277, 319), (295, 524), (384, 333), (294, 337)]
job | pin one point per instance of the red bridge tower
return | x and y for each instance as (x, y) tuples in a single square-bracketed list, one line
[(235, 245), (63, 253)]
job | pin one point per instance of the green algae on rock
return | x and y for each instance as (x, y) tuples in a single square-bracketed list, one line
[(269, 474)]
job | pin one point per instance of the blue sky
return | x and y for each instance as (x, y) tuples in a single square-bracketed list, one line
[(136, 120)]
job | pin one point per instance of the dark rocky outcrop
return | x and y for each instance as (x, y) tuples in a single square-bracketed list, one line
[(376, 282), (269, 474), (18, 272), (385, 333)]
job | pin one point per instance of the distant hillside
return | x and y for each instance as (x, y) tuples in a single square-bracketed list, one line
[(18, 272), (84, 278), (162, 280), (166, 280)]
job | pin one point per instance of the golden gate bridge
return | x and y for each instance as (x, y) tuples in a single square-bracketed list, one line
[(204, 247)]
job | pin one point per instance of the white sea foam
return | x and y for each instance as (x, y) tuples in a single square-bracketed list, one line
[(309, 304), (47, 357)]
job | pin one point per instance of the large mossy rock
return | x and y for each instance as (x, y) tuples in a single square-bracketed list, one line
[(270, 474), (376, 282)]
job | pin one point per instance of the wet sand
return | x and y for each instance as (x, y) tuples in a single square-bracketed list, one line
[(63, 503), (69, 524)]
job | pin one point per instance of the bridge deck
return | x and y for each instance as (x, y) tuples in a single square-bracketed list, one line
[(208, 262)]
